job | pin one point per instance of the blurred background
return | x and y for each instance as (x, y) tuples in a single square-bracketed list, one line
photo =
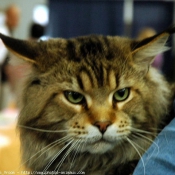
[(37, 19), (70, 18)]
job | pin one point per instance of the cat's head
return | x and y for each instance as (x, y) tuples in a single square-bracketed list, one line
[(92, 94)]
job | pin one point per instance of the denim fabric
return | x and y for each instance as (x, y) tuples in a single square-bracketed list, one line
[(160, 157)]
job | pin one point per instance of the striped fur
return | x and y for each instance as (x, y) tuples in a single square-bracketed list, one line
[(104, 133)]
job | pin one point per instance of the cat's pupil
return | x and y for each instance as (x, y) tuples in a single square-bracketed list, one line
[(75, 95), (121, 92)]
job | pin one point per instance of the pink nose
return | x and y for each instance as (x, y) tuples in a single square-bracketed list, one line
[(102, 126)]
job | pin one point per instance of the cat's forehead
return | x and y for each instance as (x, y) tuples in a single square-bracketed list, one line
[(94, 61), (92, 47)]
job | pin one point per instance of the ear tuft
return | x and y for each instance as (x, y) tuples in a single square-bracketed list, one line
[(146, 49), (25, 50), (146, 53)]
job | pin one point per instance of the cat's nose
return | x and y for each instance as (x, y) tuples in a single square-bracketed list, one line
[(102, 126)]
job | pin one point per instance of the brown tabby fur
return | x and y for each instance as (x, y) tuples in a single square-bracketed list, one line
[(96, 67)]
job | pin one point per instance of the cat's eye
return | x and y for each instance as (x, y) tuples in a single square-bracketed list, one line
[(74, 97), (121, 94)]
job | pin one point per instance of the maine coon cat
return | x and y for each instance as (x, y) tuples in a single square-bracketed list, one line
[(90, 104)]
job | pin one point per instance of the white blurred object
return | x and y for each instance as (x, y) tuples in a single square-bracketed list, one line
[(8, 117), (41, 14), (2, 18), (4, 141), (3, 30)]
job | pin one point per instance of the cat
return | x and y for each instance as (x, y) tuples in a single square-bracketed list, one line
[(91, 104)]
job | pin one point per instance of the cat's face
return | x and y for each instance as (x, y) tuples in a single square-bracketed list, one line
[(95, 97), (102, 113), (92, 95)]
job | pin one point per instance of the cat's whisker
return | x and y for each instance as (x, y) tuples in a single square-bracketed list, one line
[(142, 131), (147, 139), (156, 129), (138, 146), (46, 148), (55, 157), (84, 143), (149, 155), (76, 152), (41, 130), (140, 136), (66, 154), (134, 146)]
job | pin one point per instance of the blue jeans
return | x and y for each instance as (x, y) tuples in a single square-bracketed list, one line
[(159, 160)]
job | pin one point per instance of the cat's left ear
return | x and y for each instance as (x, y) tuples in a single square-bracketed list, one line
[(26, 50), (144, 51)]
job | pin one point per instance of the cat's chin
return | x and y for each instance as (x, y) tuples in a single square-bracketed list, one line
[(99, 147)]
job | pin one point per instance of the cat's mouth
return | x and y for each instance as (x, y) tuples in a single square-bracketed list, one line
[(99, 147), (102, 140)]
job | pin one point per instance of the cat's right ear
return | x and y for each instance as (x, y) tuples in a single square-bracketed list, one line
[(26, 50), (144, 51)]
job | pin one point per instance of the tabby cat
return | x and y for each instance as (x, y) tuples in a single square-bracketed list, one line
[(91, 104)]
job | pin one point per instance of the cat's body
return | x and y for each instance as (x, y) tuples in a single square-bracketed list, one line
[(91, 104)]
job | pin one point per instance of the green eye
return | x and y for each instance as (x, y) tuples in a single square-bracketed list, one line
[(74, 97), (121, 94)]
